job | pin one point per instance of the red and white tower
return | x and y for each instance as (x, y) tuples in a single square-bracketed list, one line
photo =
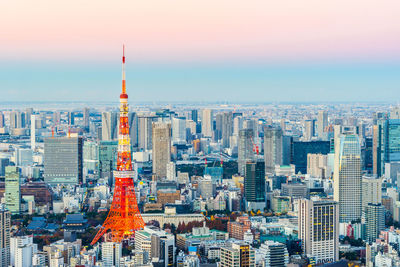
[(124, 217)]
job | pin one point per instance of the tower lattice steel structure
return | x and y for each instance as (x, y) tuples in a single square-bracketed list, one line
[(124, 217)]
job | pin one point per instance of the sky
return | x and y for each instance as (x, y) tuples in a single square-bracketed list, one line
[(209, 50)]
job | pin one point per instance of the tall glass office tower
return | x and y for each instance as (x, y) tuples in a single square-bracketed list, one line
[(347, 177)]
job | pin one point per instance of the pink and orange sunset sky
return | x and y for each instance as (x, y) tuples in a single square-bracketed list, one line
[(290, 39)]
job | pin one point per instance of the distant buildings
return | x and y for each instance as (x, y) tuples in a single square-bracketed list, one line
[(109, 126), (63, 160)]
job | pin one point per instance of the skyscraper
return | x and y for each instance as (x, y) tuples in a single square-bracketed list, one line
[(386, 144), (5, 227), (254, 185), (33, 132), (111, 254), (145, 124), (371, 191), (71, 118), (272, 148), (245, 149), (308, 133), (13, 189), (322, 123), (227, 128), (109, 126), (2, 121), (347, 177), (374, 221), (207, 123), (161, 148), (319, 229), (63, 160), (86, 117), (178, 130)]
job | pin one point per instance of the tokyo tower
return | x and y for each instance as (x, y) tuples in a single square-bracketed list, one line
[(124, 217)]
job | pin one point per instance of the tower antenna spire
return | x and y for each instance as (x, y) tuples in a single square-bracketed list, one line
[(123, 71)]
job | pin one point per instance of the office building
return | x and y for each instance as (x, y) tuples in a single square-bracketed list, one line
[(272, 148), (274, 254), (4, 162), (111, 254), (226, 128), (238, 255), (206, 187), (161, 148), (371, 191), (145, 127), (386, 147), (2, 121), (23, 156), (309, 126), (245, 149), (5, 227), (178, 131), (295, 190), (109, 126), (33, 132), (322, 123), (158, 244), (13, 189), (318, 222), (374, 221), (207, 123), (22, 250), (300, 150), (392, 171), (194, 115), (171, 171), (107, 158), (347, 177), (317, 166), (254, 185), (17, 120), (86, 118), (63, 160)]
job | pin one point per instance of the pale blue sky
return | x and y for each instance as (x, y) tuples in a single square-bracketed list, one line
[(236, 82)]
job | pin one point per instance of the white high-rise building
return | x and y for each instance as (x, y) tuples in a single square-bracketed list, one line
[(33, 132), (22, 250), (274, 254), (179, 130), (111, 254), (109, 126), (161, 148), (207, 123), (272, 148), (171, 171), (319, 229), (371, 191), (322, 123), (347, 177)]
